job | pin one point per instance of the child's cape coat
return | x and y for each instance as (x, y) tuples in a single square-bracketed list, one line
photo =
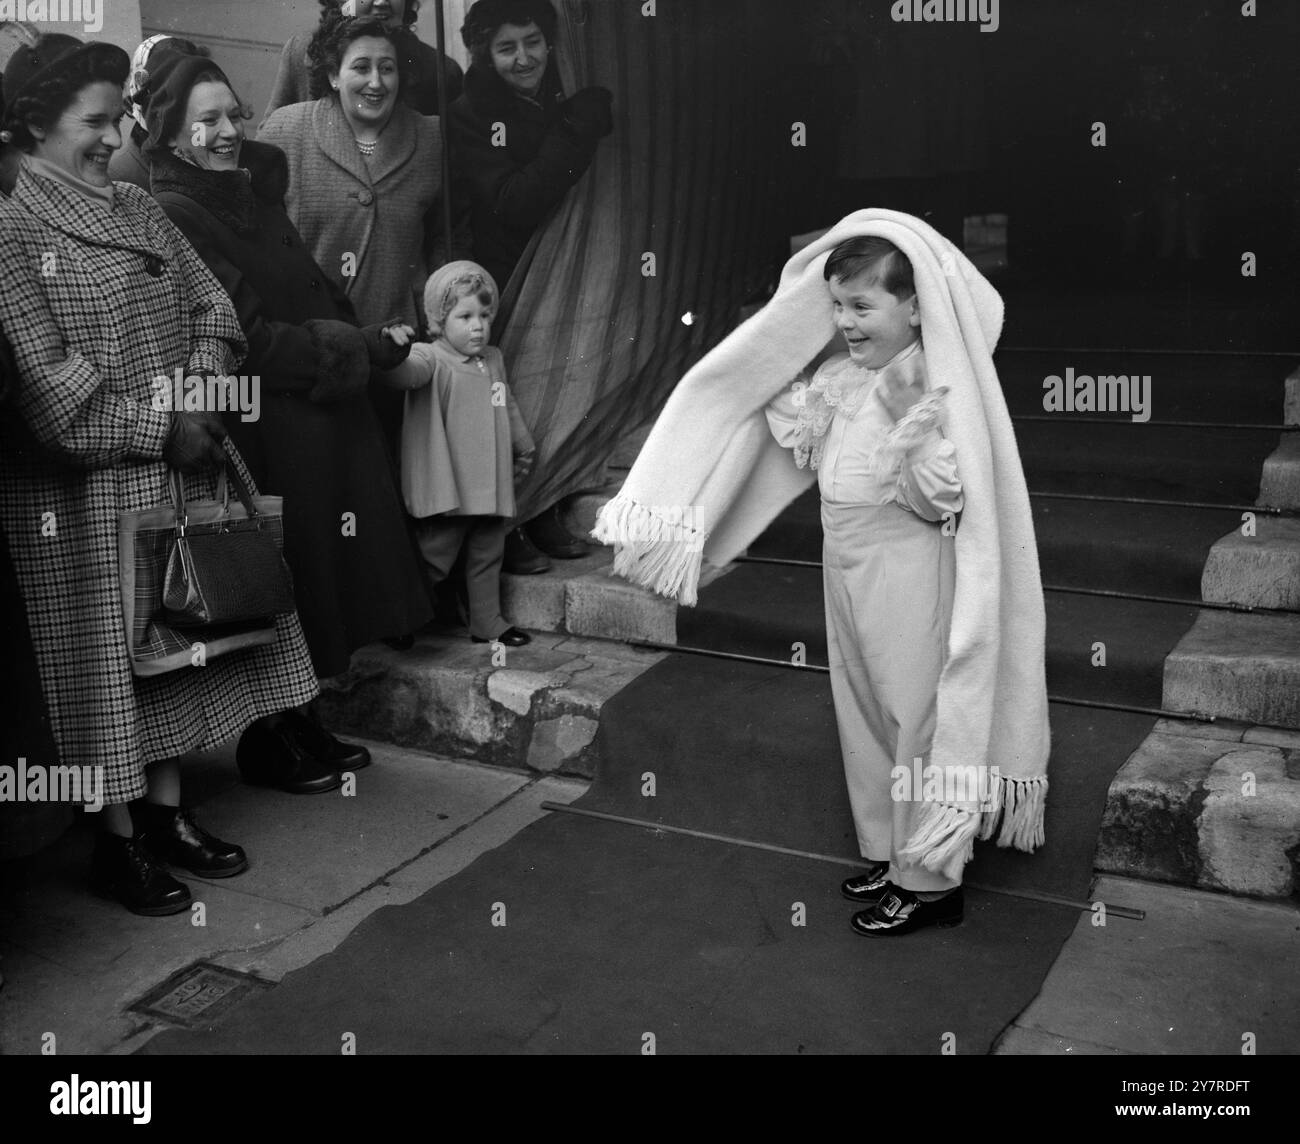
[(711, 477)]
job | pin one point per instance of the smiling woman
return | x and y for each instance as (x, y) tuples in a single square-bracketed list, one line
[(102, 294)]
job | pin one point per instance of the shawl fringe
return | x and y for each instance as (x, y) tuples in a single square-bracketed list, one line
[(944, 839), (657, 548)]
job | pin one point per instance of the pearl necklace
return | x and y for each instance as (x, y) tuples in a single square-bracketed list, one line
[(367, 149)]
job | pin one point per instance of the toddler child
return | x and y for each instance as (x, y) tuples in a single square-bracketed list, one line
[(464, 443)]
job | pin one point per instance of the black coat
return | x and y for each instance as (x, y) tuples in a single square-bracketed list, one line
[(325, 459), (509, 191)]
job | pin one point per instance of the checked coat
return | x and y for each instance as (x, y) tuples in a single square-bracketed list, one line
[(96, 304)]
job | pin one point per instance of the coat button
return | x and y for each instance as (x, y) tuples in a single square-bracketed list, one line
[(154, 265), (365, 198), (286, 240), (315, 283)]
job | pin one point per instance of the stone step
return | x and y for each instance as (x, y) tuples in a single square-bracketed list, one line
[(1279, 487), (584, 598), (1237, 666), (1261, 570), (1216, 807), (536, 707)]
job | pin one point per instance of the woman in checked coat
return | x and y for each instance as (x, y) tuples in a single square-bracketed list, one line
[(101, 295)]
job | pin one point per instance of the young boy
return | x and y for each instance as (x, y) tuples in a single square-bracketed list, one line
[(891, 495), (936, 625)]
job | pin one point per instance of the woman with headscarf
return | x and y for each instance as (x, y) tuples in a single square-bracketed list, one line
[(519, 147), (419, 60), (130, 164), (316, 441), (102, 296)]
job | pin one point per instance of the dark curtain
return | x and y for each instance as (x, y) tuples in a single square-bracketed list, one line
[(699, 173)]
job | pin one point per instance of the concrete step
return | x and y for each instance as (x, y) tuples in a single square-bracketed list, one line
[(1262, 570), (584, 598), (1213, 806), (1279, 487), (535, 707), (1237, 666)]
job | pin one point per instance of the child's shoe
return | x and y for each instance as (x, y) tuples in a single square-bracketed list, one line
[(901, 911), (511, 637), (868, 887)]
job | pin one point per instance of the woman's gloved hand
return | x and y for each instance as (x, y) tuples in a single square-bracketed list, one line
[(388, 343), (588, 113), (194, 442)]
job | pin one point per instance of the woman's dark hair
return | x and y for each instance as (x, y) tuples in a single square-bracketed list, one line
[(330, 44), (41, 104), (487, 17), (409, 15), (878, 259)]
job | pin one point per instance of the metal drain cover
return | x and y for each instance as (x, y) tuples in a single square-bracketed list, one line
[(198, 995)]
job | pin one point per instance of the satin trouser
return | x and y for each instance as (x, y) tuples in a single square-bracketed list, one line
[(888, 578)]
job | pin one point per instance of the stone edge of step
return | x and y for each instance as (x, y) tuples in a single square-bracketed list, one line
[(1216, 807)]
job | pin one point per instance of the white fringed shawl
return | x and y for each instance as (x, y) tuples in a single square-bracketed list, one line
[(711, 477)]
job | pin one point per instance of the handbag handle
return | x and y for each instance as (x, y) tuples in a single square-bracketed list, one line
[(227, 476)]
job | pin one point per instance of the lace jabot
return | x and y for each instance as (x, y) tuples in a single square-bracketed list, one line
[(842, 386)]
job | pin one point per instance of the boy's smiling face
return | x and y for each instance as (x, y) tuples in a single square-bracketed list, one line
[(876, 325)]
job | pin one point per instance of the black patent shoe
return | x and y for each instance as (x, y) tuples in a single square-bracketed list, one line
[(274, 756), (868, 887), (549, 534), (901, 911), (123, 868), (319, 742), (511, 637), (522, 557), (172, 836)]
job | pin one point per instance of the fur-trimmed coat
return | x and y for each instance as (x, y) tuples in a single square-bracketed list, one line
[(325, 457), (509, 190), (97, 304)]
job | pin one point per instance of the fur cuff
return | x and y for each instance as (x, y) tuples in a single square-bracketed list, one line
[(342, 360)]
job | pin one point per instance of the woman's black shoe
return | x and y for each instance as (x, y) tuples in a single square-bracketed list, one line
[(511, 637), (549, 534), (123, 868), (868, 887), (901, 911), (522, 557), (172, 836), (275, 757), (319, 742)]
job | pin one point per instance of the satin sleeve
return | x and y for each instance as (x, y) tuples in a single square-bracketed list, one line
[(928, 483)]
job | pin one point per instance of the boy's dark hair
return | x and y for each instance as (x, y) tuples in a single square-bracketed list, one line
[(876, 259), (330, 44), (41, 104), (487, 17)]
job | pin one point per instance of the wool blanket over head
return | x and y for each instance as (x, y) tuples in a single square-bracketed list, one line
[(711, 477)]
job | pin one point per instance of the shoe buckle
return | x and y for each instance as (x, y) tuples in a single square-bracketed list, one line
[(891, 905)]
